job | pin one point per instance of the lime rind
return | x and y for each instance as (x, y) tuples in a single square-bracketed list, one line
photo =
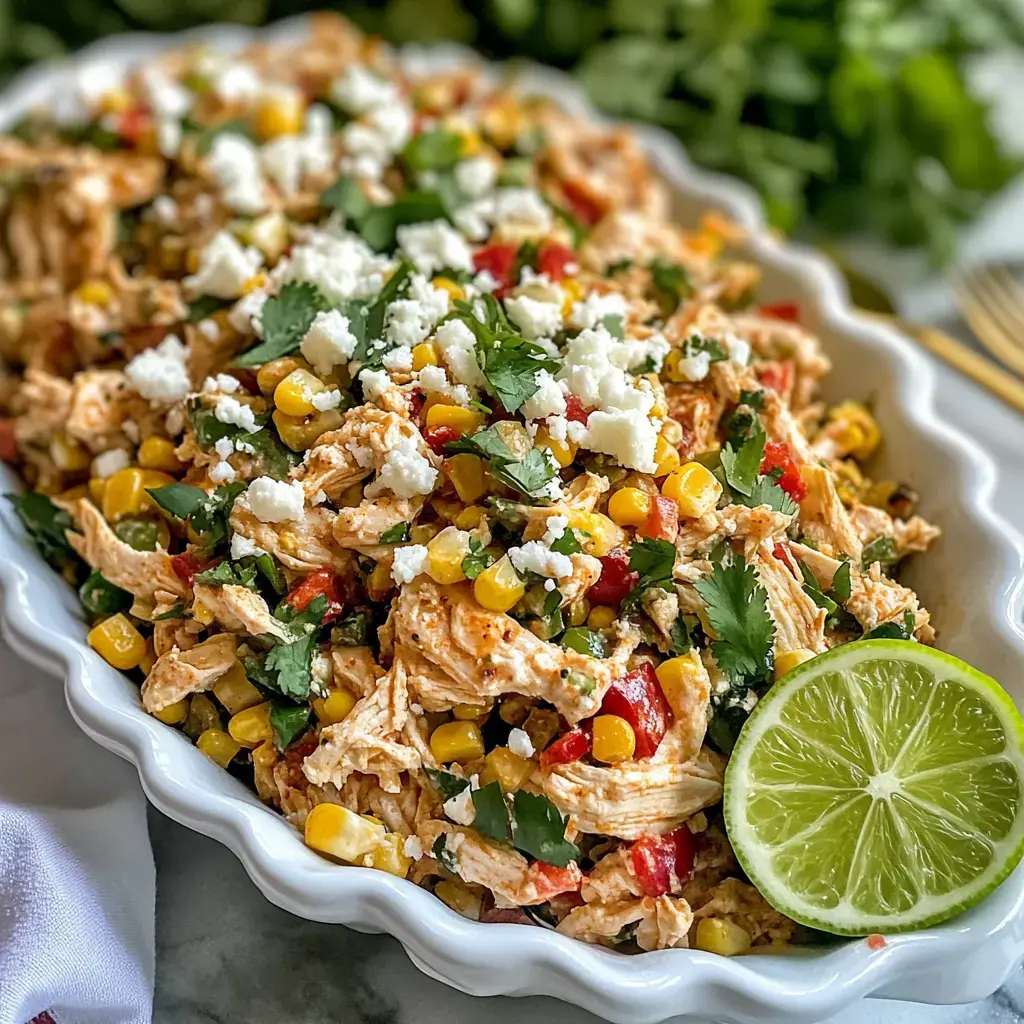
[(909, 894)]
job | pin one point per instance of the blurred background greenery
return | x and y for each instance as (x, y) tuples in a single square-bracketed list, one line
[(849, 116)]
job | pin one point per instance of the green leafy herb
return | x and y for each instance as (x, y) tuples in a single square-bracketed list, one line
[(614, 326), (347, 198), (210, 518), (47, 525), (766, 491), (842, 584), (741, 467), (584, 641), (813, 590), (308, 620), (725, 725), (272, 456), (697, 344), (446, 784), (397, 534), (177, 612), (271, 573), (379, 227), (286, 318), (138, 532), (393, 287), (227, 573), (742, 422), (680, 640), (491, 812), (539, 830), (551, 616), (203, 136), (881, 549), (444, 856), (567, 544), (532, 475), (434, 150), (654, 561), (292, 667), (352, 631), (671, 282), (477, 560), (101, 597), (288, 723), (204, 306), (737, 608), (893, 630)]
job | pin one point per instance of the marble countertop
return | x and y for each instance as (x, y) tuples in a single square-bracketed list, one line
[(225, 954)]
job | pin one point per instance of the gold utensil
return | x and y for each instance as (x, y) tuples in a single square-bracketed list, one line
[(992, 302)]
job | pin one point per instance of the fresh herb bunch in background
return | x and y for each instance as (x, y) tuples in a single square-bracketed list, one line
[(847, 115)]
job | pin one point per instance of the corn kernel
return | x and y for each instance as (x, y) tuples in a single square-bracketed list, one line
[(68, 456), (786, 661), (149, 658), (280, 113), (665, 456), (671, 370), (158, 453), (271, 374), (341, 833), (390, 856), (466, 472), (95, 293), (679, 678), (465, 421), (604, 535), (498, 588), (602, 616), (694, 489), (251, 727), (218, 746), (300, 433), (294, 395), (424, 354), (455, 292), (457, 741), (117, 642), (335, 707), (173, 714), (721, 936), (563, 451), (573, 292), (203, 614), (379, 582), (509, 770), (614, 739), (470, 712), (269, 234), (862, 434), (503, 121), (459, 898), (629, 506), (124, 494), (97, 488), (234, 690), (116, 101), (445, 554), (469, 518)]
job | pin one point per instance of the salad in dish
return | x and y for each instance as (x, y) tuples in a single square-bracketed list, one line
[(437, 485)]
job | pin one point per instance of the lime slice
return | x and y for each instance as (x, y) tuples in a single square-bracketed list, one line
[(878, 788)]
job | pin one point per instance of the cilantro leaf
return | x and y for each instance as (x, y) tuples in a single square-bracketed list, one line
[(271, 573), (352, 631), (101, 597), (397, 534), (766, 491), (434, 150), (539, 830), (229, 573), (47, 525), (210, 518), (614, 326), (308, 620), (679, 637), (738, 613), (444, 856), (881, 549), (379, 226), (813, 590), (893, 630), (446, 783), (288, 723), (177, 612), (531, 475), (551, 615), (671, 282), (696, 344), (491, 812), (374, 321), (204, 306), (292, 664), (654, 561), (477, 560), (347, 198), (567, 544), (286, 317), (181, 500), (741, 467), (584, 641), (842, 584)]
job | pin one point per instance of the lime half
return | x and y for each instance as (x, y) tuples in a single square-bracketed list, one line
[(878, 788)]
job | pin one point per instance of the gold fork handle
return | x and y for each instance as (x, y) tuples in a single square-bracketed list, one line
[(962, 358)]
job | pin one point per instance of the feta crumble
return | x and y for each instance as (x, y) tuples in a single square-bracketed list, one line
[(328, 342), (110, 462), (405, 472), (230, 410), (434, 245), (274, 501), (519, 742), (535, 556), (242, 547), (160, 374), (548, 400), (409, 563), (556, 527), (460, 807), (224, 267), (536, 319)]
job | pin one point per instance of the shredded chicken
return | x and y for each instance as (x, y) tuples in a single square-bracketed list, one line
[(742, 904), (302, 545), (356, 669), (823, 517), (663, 922), (753, 526), (177, 673), (239, 610), (799, 622)]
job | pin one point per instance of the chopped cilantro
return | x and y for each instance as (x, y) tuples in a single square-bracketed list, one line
[(680, 640), (204, 306), (397, 534), (737, 608), (539, 830), (101, 597), (842, 585), (671, 282), (881, 549), (613, 324), (813, 590), (434, 150), (446, 783), (444, 856), (567, 544), (347, 198), (47, 525), (491, 812), (893, 630), (531, 475), (374, 322), (308, 620), (741, 467), (286, 317), (696, 344), (352, 631), (288, 723), (227, 573), (379, 226), (292, 667), (584, 641), (654, 561), (210, 518), (477, 560), (551, 616), (271, 573), (766, 491), (203, 135), (177, 612)]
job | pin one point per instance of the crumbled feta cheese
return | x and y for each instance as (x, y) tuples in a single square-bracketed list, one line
[(485, 281), (222, 382), (460, 807), (222, 472), (236, 83), (341, 265), (398, 360), (519, 742), (109, 462), (738, 349), (695, 367), (405, 472), (628, 436), (160, 374), (457, 346), (411, 320), (224, 447), (328, 342), (209, 329), (594, 308), (558, 428), (274, 501), (413, 848), (375, 383), (357, 90), (548, 400), (475, 177), (550, 585), (246, 314), (433, 245), (433, 378), (234, 162), (555, 529), (536, 319), (535, 556), (230, 410), (242, 547), (288, 159), (324, 400), (523, 209), (409, 562), (632, 353)]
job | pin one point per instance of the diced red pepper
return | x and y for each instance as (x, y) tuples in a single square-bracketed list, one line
[(576, 743), (575, 410), (777, 456), (550, 880), (584, 208), (186, 565), (781, 311), (440, 435), (616, 579), (8, 442), (662, 863), (637, 697), (323, 582), (662, 519), (777, 376), (876, 942), (132, 123), (553, 258), (784, 555), (500, 261)]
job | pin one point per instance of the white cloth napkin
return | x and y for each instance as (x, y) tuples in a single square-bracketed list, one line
[(77, 884)]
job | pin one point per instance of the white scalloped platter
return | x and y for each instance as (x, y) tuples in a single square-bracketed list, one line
[(970, 583)]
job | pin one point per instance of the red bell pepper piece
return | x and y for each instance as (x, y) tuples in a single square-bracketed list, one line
[(553, 258), (637, 697), (576, 743), (132, 123), (662, 863), (500, 261), (662, 519), (8, 442), (438, 436), (575, 410), (777, 376), (616, 579), (186, 565), (777, 456), (322, 582), (584, 208), (781, 311), (550, 880)]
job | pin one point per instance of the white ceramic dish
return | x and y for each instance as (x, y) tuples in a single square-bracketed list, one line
[(971, 584)]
